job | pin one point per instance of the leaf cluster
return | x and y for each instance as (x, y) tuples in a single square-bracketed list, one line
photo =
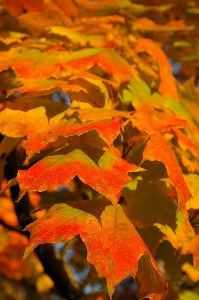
[(99, 148)]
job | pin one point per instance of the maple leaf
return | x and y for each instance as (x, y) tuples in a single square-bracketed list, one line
[(184, 142), (73, 35), (139, 93), (25, 104), (168, 82), (155, 121), (83, 156), (108, 129), (97, 94), (38, 85), (9, 37), (148, 203), (27, 62), (159, 149), (144, 24), (100, 114), (184, 238), (110, 61), (16, 123), (44, 132), (192, 181), (97, 52), (104, 240)]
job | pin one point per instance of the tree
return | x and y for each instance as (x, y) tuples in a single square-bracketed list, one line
[(99, 149)]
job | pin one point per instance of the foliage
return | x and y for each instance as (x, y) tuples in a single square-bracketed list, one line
[(99, 148)]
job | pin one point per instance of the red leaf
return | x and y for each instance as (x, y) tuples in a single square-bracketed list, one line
[(114, 247), (159, 149), (168, 85), (84, 156)]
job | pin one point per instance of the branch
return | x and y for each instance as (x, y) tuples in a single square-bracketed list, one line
[(52, 265)]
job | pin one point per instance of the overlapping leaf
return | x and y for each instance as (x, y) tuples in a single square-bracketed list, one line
[(106, 242), (108, 129), (167, 81), (37, 85), (83, 156), (77, 47), (144, 24), (17, 123), (149, 204), (159, 149), (184, 238), (27, 62), (155, 121), (192, 181)]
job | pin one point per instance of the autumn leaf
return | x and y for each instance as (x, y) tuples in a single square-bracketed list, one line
[(148, 204), (155, 121), (159, 149), (100, 114), (89, 91), (103, 240), (184, 142), (25, 104), (192, 181), (144, 24), (27, 62), (96, 95), (184, 238), (14, 8), (151, 285), (12, 37), (12, 247), (83, 156), (75, 36), (16, 123), (139, 94), (111, 62), (38, 85), (49, 131), (108, 129), (167, 81), (7, 212)]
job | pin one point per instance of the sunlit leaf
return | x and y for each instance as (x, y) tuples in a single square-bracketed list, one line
[(159, 149), (83, 156), (103, 241)]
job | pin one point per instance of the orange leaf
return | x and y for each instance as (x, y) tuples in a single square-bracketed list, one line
[(168, 85), (184, 237), (159, 149), (83, 156), (144, 24), (155, 121), (38, 85), (107, 243), (108, 129), (14, 8), (110, 61)]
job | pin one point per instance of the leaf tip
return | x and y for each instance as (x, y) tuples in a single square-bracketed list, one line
[(9, 185)]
